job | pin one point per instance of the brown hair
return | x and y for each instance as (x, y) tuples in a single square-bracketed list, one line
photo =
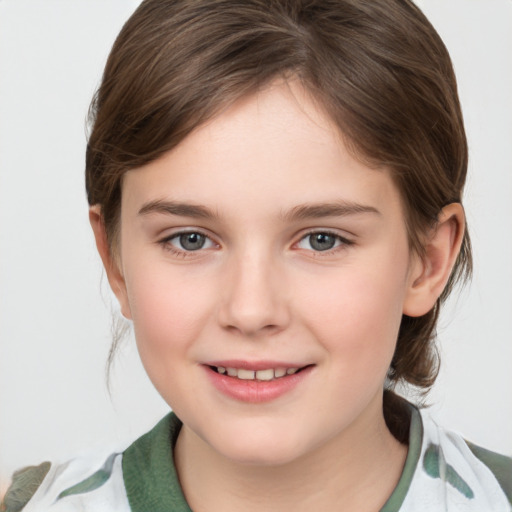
[(378, 68)]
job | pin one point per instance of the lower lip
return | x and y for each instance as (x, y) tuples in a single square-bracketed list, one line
[(256, 391)]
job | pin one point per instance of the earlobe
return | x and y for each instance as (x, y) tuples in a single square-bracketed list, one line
[(429, 274), (112, 268)]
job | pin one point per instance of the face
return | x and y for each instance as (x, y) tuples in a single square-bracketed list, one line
[(266, 272)]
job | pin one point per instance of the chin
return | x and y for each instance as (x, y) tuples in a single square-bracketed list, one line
[(258, 450)]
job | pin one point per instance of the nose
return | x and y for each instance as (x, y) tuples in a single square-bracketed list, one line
[(254, 296)]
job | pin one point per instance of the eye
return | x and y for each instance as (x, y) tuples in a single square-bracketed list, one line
[(322, 241), (189, 241)]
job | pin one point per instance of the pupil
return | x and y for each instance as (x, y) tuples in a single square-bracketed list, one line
[(192, 241), (322, 241)]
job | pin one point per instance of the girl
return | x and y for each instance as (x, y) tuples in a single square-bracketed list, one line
[(275, 192)]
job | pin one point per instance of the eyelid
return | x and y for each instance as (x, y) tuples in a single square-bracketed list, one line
[(183, 230), (344, 235)]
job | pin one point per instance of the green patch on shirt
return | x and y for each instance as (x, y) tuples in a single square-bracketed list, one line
[(93, 482), (25, 483), (436, 467)]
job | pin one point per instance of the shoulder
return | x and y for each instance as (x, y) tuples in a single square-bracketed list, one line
[(499, 465), (94, 481), (142, 474), (470, 474), (25, 483)]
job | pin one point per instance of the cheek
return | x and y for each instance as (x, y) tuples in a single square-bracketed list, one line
[(356, 314), (168, 313)]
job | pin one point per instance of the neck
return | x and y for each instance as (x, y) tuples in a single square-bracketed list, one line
[(359, 467)]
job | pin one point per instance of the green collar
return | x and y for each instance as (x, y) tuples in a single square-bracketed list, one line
[(149, 473), (152, 483), (396, 499)]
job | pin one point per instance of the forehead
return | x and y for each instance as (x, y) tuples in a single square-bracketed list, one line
[(276, 146)]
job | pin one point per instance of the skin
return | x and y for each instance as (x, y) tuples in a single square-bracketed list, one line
[(258, 290)]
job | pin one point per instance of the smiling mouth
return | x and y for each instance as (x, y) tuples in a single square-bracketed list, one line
[(269, 374)]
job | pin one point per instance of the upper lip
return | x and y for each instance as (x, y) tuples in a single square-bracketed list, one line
[(254, 365)]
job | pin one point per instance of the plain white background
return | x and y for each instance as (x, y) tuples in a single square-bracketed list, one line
[(55, 305)]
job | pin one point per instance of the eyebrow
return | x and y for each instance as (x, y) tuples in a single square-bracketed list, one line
[(299, 212), (176, 208), (320, 210)]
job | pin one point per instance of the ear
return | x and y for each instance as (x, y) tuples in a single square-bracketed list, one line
[(428, 275), (111, 264)]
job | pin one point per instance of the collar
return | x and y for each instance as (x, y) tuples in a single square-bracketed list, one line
[(152, 483)]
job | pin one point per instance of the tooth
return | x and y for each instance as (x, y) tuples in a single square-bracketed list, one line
[(232, 372), (291, 371), (246, 374), (280, 372), (221, 369), (265, 374)]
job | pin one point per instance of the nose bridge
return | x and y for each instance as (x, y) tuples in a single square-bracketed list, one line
[(254, 296)]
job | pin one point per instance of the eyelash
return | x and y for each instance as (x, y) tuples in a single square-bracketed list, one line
[(184, 253), (344, 243)]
